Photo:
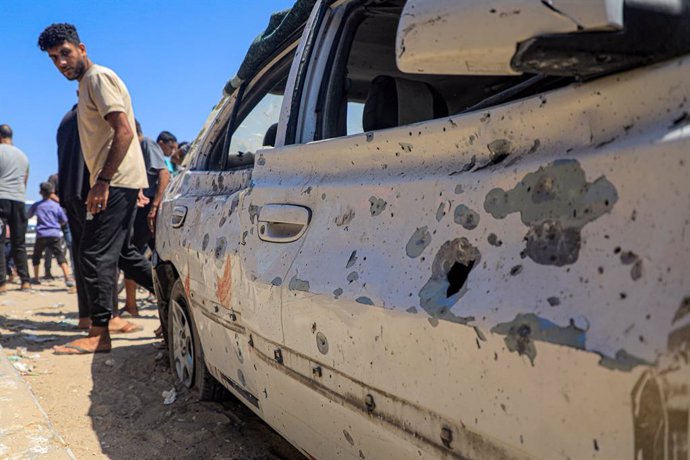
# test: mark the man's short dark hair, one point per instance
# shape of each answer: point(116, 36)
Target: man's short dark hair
point(5, 132)
point(56, 34)
point(166, 136)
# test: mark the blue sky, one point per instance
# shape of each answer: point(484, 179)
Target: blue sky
point(174, 56)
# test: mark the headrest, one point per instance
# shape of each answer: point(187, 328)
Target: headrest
point(395, 102)
point(270, 136)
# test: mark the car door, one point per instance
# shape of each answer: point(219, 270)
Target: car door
point(480, 283)
point(232, 290)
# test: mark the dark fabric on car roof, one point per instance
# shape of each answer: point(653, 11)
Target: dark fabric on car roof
point(281, 26)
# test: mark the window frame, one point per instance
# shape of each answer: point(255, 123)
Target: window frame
point(243, 101)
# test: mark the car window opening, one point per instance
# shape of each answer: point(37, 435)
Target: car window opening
point(367, 91)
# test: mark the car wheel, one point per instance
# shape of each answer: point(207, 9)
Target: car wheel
point(185, 351)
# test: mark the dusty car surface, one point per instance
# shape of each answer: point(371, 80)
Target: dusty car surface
point(444, 229)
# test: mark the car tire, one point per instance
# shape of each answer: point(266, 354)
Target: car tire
point(185, 351)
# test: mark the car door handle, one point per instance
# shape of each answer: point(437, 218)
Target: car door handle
point(282, 223)
point(178, 215)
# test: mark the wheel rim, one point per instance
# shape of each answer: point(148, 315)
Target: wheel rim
point(183, 345)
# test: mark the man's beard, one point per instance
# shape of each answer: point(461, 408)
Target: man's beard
point(78, 71)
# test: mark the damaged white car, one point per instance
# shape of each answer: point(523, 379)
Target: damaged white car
point(445, 229)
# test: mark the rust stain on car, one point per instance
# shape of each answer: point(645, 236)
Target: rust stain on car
point(224, 284)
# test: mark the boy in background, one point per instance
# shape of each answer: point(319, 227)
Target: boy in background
point(49, 220)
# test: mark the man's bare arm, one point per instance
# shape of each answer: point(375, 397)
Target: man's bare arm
point(97, 199)
point(163, 180)
point(121, 140)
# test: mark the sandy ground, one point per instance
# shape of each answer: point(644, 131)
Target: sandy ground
point(111, 405)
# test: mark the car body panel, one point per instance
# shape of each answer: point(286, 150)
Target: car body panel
point(506, 283)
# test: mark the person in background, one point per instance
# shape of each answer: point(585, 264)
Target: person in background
point(14, 174)
point(49, 221)
point(178, 157)
point(9, 263)
point(168, 143)
point(72, 190)
point(142, 237)
point(53, 179)
point(117, 172)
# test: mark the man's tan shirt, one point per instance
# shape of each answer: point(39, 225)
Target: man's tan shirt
point(102, 92)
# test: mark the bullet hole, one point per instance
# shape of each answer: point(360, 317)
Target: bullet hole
point(516, 270)
point(636, 271)
point(600, 270)
point(628, 257)
point(448, 282)
point(494, 241)
point(623, 296)
point(457, 276)
point(322, 343)
point(617, 250)
point(596, 445)
point(554, 301)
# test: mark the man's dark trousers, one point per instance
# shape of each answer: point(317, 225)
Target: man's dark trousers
point(14, 214)
point(105, 245)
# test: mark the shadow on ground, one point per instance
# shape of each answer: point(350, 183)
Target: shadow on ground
point(131, 421)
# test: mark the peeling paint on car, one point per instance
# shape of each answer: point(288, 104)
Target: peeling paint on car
point(623, 361)
point(420, 239)
point(364, 300)
point(555, 202)
point(378, 205)
point(219, 250)
point(297, 284)
point(522, 332)
point(345, 218)
point(466, 217)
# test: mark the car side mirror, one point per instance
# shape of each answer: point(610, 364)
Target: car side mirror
point(480, 37)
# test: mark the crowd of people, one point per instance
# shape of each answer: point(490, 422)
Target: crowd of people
point(103, 201)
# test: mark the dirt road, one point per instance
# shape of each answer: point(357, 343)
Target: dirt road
point(111, 405)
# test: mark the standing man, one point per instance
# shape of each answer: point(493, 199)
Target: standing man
point(168, 143)
point(14, 173)
point(73, 188)
point(112, 154)
point(158, 178)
